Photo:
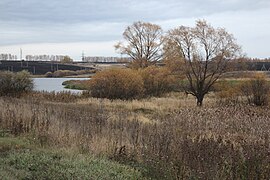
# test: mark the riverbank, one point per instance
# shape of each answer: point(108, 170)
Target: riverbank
point(73, 76)
point(76, 84)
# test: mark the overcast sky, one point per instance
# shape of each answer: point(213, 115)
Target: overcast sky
point(69, 27)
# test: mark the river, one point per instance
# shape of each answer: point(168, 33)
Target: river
point(53, 84)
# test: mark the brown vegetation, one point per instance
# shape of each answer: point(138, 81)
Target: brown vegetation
point(256, 90)
point(117, 84)
point(158, 80)
point(228, 92)
point(168, 135)
point(132, 84)
point(64, 73)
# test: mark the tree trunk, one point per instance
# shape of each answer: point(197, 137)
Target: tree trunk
point(200, 100)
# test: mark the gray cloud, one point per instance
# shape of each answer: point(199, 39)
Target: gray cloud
point(24, 33)
point(64, 21)
point(77, 11)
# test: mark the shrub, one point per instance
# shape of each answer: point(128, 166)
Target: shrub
point(256, 90)
point(131, 84)
point(63, 73)
point(227, 92)
point(14, 84)
point(117, 84)
point(49, 74)
point(157, 80)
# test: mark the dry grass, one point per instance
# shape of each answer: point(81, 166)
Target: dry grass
point(166, 103)
point(169, 135)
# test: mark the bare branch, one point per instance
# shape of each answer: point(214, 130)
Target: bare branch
point(143, 43)
point(206, 51)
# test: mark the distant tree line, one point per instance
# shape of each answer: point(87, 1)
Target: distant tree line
point(45, 57)
point(8, 57)
point(97, 59)
point(34, 57)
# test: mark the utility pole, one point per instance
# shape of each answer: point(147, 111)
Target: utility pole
point(21, 53)
point(10, 68)
point(51, 65)
point(21, 57)
point(82, 56)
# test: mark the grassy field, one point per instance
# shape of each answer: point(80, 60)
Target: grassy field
point(160, 138)
point(21, 158)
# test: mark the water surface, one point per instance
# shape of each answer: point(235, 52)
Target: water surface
point(54, 84)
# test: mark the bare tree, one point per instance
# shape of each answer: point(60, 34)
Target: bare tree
point(143, 44)
point(206, 52)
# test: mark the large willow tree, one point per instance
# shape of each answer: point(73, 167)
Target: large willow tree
point(206, 52)
point(143, 43)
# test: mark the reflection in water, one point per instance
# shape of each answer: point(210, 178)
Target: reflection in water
point(53, 84)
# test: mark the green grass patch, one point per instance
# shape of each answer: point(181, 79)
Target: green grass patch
point(9, 143)
point(76, 84)
point(21, 161)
